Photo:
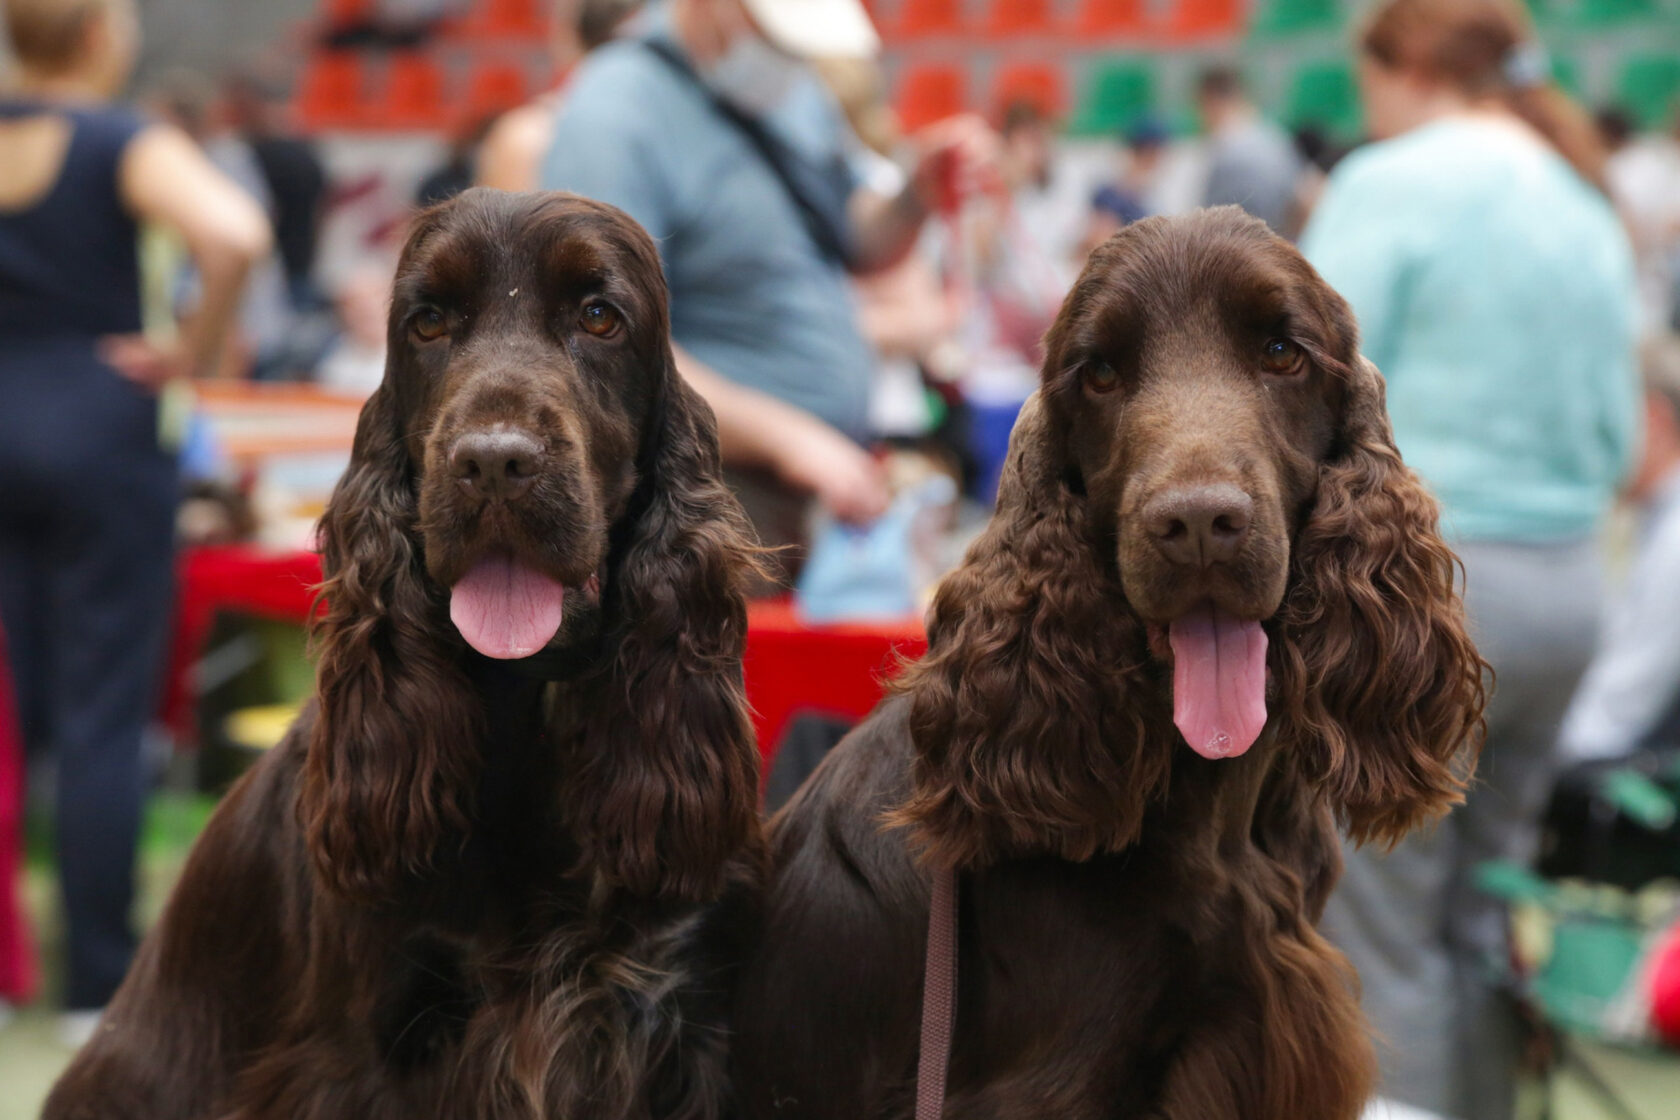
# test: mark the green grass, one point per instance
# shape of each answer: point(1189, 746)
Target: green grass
point(30, 1053)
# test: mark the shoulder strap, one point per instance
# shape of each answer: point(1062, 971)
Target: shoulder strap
point(939, 998)
point(826, 228)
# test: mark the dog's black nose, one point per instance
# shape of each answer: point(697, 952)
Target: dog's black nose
point(1198, 526)
point(496, 465)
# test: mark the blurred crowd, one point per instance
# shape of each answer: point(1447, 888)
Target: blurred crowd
point(863, 309)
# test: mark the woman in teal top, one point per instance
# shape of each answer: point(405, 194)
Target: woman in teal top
point(1495, 289)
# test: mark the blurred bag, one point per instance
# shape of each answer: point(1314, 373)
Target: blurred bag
point(1615, 821)
point(874, 571)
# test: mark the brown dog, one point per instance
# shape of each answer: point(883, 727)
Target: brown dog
point(501, 868)
point(1211, 615)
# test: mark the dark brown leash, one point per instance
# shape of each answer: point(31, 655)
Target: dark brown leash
point(939, 997)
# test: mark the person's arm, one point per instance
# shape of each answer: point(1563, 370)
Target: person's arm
point(959, 155)
point(757, 430)
point(165, 178)
point(1635, 675)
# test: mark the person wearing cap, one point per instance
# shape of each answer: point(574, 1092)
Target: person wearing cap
point(705, 123)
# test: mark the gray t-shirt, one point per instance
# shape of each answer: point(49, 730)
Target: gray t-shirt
point(1253, 164)
point(751, 294)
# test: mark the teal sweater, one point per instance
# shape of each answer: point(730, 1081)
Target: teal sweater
point(1495, 289)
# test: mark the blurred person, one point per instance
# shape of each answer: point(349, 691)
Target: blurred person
point(292, 170)
point(459, 169)
point(263, 344)
point(1130, 196)
point(1629, 699)
point(1495, 290)
point(908, 315)
point(1643, 173)
point(87, 490)
point(1251, 161)
point(355, 364)
point(1047, 203)
point(705, 123)
point(1019, 253)
point(512, 153)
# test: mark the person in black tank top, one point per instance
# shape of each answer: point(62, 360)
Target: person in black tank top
point(87, 486)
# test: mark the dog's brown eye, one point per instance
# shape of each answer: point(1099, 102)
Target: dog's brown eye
point(1282, 356)
point(429, 325)
point(1100, 377)
point(598, 318)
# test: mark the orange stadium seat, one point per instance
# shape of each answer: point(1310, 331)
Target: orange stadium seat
point(344, 13)
point(330, 91)
point(1195, 18)
point(931, 92)
point(413, 93)
point(1039, 83)
point(496, 88)
point(919, 18)
point(1009, 18)
point(1110, 17)
point(505, 19)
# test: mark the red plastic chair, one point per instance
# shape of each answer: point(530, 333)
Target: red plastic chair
point(1039, 83)
point(505, 19)
point(413, 94)
point(345, 13)
point(1111, 17)
point(1009, 19)
point(1195, 19)
point(495, 88)
point(919, 19)
point(330, 91)
point(931, 92)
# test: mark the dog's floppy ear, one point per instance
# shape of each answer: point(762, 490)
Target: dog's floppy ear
point(1028, 738)
point(666, 785)
point(1378, 675)
point(396, 737)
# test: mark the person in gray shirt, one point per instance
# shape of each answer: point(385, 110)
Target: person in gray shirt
point(704, 123)
point(1252, 163)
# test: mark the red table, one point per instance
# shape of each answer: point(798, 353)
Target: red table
point(790, 665)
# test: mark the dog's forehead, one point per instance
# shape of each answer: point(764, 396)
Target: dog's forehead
point(1171, 277)
point(490, 239)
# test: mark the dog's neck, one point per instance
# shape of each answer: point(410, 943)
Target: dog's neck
point(1212, 805)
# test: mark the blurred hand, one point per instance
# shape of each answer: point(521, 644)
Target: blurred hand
point(956, 159)
point(844, 477)
point(145, 362)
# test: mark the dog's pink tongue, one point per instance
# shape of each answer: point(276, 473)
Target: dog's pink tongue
point(1219, 681)
point(504, 609)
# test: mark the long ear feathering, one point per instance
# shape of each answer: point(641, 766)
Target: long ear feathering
point(1030, 735)
point(666, 786)
point(393, 751)
point(1381, 686)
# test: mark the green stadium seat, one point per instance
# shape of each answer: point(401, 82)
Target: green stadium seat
point(1595, 12)
point(1289, 17)
point(1648, 87)
point(1566, 72)
point(1324, 94)
point(1116, 93)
